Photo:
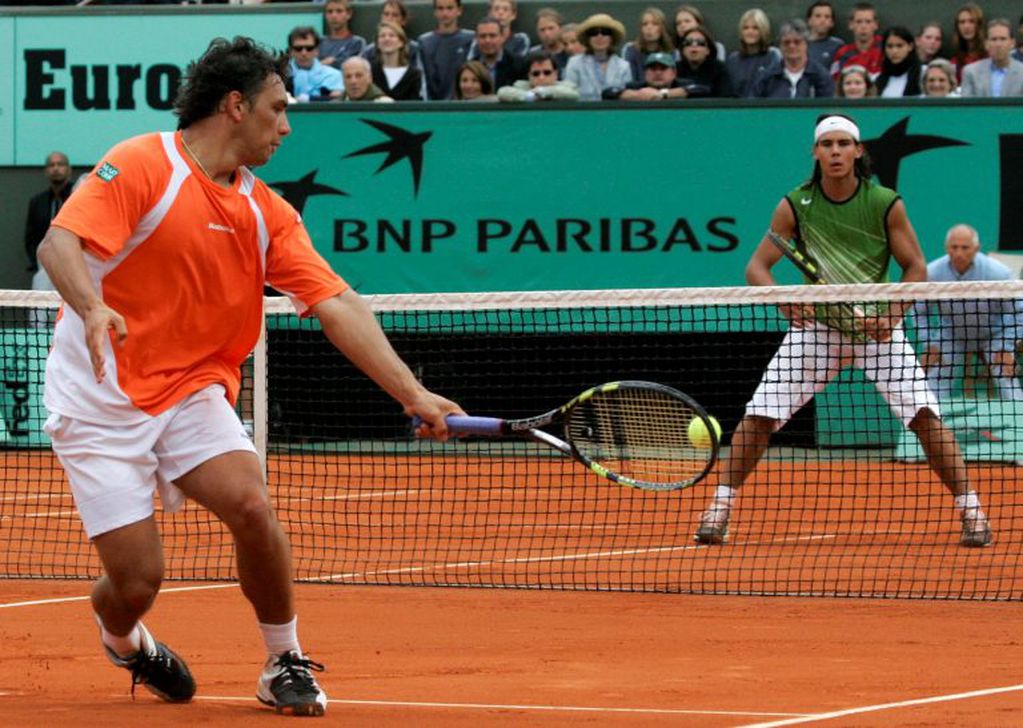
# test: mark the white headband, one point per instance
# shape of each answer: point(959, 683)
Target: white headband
point(836, 123)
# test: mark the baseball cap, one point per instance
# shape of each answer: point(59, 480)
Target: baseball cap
point(660, 59)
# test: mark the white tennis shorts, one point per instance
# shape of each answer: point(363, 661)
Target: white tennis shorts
point(810, 357)
point(114, 470)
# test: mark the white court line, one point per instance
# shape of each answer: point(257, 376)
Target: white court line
point(41, 514)
point(430, 567)
point(886, 706)
point(511, 706)
point(65, 600)
point(379, 494)
point(542, 559)
point(33, 496)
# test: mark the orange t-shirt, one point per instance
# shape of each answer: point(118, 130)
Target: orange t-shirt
point(184, 261)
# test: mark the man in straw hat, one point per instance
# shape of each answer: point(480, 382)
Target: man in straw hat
point(598, 68)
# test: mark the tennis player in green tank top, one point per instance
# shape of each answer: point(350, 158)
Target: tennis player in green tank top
point(853, 227)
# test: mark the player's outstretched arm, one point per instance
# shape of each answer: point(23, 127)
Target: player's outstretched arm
point(351, 327)
point(758, 270)
point(61, 255)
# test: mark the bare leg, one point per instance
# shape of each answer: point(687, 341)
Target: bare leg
point(942, 450)
point(749, 443)
point(133, 569)
point(231, 486)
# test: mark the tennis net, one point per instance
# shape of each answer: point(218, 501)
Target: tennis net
point(843, 503)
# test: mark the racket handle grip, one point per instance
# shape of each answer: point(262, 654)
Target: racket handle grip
point(466, 425)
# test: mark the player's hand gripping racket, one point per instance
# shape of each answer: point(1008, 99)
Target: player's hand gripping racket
point(634, 433)
point(808, 266)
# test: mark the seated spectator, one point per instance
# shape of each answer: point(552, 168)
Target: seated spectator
point(311, 79)
point(444, 50)
point(570, 39)
point(391, 70)
point(700, 73)
point(820, 19)
point(855, 83)
point(338, 43)
point(359, 84)
point(688, 17)
point(988, 328)
point(660, 82)
point(999, 75)
point(795, 76)
point(507, 11)
point(598, 68)
point(394, 11)
point(929, 42)
point(968, 39)
point(474, 83)
point(548, 32)
point(653, 37)
point(516, 44)
point(542, 85)
point(504, 67)
point(865, 50)
point(755, 51)
point(900, 69)
point(940, 79)
point(1017, 53)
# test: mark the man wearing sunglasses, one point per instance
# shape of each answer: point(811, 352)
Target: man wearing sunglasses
point(311, 80)
point(542, 84)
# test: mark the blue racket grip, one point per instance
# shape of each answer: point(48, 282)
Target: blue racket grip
point(466, 425)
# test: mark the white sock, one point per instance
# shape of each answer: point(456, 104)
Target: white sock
point(281, 638)
point(125, 646)
point(724, 495)
point(968, 501)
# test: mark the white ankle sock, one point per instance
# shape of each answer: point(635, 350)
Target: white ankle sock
point(125, 646)
point(724, 495)
point(968, 501)
point(281, 637)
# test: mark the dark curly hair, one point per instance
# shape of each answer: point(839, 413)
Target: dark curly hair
point(239, 65)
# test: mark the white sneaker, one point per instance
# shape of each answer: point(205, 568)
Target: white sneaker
point(976, 529)
point(287, 685)
point(713, 528)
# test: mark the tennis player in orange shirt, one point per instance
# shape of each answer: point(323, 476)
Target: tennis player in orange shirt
point(161, 257)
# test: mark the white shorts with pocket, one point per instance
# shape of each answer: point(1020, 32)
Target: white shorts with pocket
point(810, 357)
point(114, 470)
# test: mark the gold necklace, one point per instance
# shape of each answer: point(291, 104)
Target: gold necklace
point(194, 157)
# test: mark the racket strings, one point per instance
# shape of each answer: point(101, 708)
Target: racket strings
point(642, 434)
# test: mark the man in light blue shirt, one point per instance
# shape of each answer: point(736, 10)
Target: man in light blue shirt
point(311, 79)
point(950, 330)
point(999, 75)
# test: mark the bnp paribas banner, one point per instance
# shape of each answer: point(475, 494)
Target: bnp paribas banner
point(485, 198)
point(82, 80)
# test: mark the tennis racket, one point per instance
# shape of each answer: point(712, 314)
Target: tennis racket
point(808, 266)
point(633, 433)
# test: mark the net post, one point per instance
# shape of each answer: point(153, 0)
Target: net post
point(260, 409)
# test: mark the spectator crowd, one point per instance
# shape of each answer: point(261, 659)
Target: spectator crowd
point(677, 57)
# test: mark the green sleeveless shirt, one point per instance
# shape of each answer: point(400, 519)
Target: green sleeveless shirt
point(848, 239)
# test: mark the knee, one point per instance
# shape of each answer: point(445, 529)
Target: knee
point(139, 592)
point(252, 518)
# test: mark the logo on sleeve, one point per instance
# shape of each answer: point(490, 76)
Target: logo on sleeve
point(107, 172)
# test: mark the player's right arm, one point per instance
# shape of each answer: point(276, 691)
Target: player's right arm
point(758, 270)
point(62, 256)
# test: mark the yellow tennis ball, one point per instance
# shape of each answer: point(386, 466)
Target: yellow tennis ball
point(699, 436)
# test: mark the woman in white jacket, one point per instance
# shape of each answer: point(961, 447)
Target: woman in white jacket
point(598, 68)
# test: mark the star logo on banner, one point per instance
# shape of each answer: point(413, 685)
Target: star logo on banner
point(401, 145)
point(888, 150)
point(298, 191)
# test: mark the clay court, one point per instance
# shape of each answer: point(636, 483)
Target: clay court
point(552, 654)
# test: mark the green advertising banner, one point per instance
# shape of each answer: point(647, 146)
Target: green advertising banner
point(82, 83)
point(469, 199)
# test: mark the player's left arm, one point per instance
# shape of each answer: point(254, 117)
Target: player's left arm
point(905, 248)
point(351, 327)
